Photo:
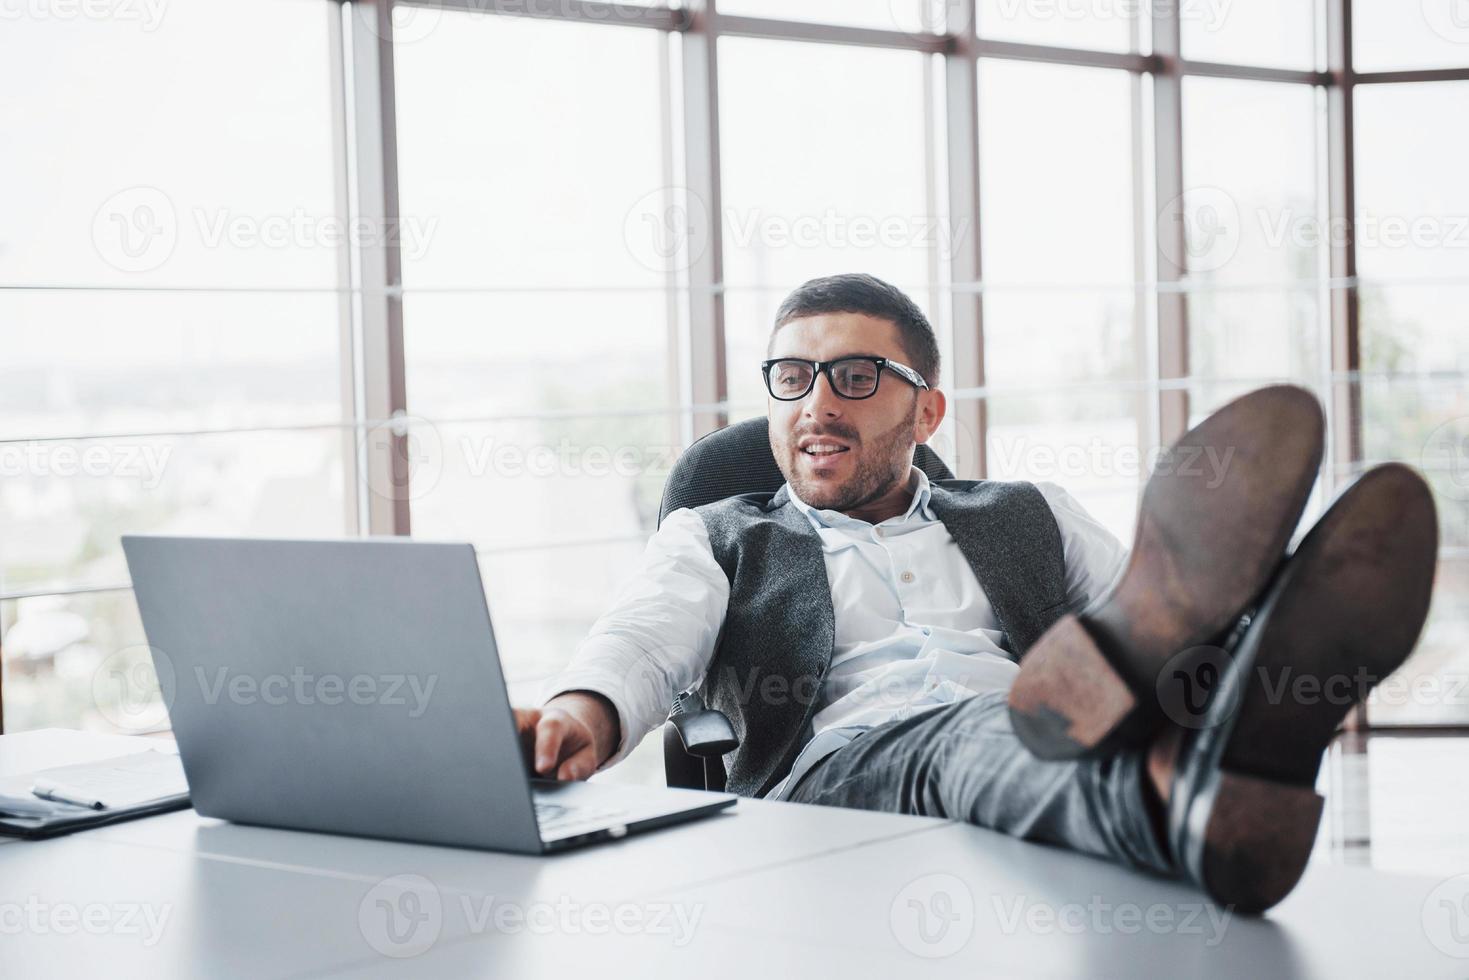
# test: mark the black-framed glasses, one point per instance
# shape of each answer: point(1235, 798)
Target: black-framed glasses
point(789, 379)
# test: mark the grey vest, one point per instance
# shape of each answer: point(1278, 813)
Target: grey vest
point(775, 647)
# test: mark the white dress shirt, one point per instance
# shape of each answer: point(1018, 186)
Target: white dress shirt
point(913, 629)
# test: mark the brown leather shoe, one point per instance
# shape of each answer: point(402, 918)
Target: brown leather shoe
point(1344, 613)
point(1217, 515)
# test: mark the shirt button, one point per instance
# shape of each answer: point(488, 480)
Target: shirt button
point(906, 576)
point(878, 531)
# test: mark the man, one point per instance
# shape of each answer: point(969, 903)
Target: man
point(861, 626)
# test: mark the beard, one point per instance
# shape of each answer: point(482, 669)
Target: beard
point(884, 462)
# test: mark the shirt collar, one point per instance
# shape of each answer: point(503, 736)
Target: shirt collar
point(917, 482)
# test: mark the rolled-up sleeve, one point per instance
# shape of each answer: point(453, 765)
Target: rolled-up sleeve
point(658, 637)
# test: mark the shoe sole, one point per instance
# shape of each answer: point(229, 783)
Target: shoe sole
point(1347, 611)
point(1203, 551)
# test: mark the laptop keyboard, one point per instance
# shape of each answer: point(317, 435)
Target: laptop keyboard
point(553, 816)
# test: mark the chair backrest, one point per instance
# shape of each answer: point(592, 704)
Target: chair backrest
point(736, 460)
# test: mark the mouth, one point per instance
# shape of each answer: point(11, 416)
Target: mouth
point(822, 447)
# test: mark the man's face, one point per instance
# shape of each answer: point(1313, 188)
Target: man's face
point(838, 453)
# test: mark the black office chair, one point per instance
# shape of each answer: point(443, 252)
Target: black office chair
point(725, 463)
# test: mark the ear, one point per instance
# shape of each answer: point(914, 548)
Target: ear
point(931, 408)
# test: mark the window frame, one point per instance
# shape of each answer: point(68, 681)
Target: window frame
point(371, 289)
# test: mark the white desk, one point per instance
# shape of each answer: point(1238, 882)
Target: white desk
point(768, 890)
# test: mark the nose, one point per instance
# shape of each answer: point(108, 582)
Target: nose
point(821, 401)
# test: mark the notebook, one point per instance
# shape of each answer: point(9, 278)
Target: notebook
point(91, 794)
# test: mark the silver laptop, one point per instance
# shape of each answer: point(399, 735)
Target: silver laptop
point(354, 687)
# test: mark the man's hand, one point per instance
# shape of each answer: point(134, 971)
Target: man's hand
point(570, 736)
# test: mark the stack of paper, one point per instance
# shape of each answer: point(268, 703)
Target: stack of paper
point(72, 797)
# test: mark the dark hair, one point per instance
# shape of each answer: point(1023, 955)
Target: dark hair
point(857, 292)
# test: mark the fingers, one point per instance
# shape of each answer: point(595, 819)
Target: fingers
point(581, 765)
point(563, 747)
point(526, 720)
point(550, 733)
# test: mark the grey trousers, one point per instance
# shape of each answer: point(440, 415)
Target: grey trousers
point(963, 761)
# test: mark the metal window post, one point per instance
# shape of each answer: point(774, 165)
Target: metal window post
point(706, 351)
point(382, 450)
point(1172, 244)
point(961, 72)
point(1346, 348)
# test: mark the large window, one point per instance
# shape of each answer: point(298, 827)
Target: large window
point(540, 339)
point(441, 269)
point(1093, 26)
point(1268, 33)
point(1063, 328)
point(1413, 257)
point(1391, 35)
point(1254, 245)
point(170, 347)
point(826, 168)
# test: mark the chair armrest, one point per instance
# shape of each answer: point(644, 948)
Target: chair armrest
point(694, 744)
point(695, 739)
point(705, 733)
